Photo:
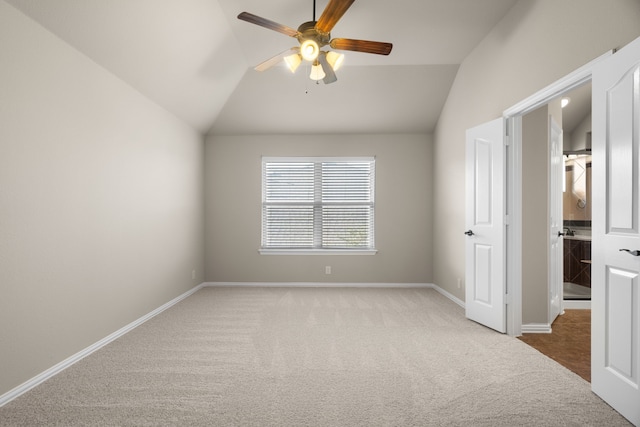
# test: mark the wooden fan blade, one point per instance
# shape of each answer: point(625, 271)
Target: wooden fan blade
point(274, 60)
point(263, 22)
point(379, 48)
point(330, 75)
point(332, 14)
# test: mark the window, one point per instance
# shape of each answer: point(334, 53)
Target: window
point(318, 205)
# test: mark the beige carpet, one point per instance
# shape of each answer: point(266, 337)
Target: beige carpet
point(313, 357)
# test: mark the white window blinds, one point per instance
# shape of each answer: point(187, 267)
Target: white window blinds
point(318, 203)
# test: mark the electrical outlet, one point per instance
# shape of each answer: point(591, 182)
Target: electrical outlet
point(327, 269)
point(193, 274)
point(459, 283)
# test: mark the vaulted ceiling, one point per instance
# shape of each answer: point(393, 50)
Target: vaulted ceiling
point(195, 59)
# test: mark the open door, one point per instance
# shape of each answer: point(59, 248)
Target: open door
point(615, 327)
point(556, 242)
point(485, 225)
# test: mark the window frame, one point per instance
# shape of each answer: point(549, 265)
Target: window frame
point(315, 251)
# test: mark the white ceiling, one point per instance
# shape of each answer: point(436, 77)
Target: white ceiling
point(195, 59)
point(578, 109)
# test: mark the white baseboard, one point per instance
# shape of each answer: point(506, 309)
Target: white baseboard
point(317, 285)
point(448, 295)
point(56, 369)
point(536, 328)
point(338, 285)
point(577, 304)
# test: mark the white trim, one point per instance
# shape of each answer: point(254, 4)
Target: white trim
point(513, 116)
point(448, 295)
point(267, 159)
point(536, 328)
point(318, 251)
point(569, 82)
point(337, 285)
point(56, 369)
point(514, 228)
point(577, 304)
point(316, 285)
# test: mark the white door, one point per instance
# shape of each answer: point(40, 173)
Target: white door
point(615, 328)
point(485, 225)
point(556, 242)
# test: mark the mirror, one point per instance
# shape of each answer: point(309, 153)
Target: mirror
point(576, 124)
point(576, 198)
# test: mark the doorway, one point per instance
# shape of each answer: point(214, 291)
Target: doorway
point(514, 241)
point(615, 271)
point(556, 232)
point(556, 208)
point(576, 197)
point(574, 227)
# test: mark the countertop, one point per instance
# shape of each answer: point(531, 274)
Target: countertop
point(578, 237)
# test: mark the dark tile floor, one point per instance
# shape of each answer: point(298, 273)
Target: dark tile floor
point(569, 343)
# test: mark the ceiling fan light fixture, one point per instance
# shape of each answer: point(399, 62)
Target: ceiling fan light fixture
point(317, 73)
point(293, 62)
point(335, 59)
point(309, 50)
point(314, 35)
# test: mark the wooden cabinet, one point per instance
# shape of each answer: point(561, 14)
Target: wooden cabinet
point(577, 262)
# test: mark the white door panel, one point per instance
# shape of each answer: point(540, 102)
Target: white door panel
point(615, 345)
point(484, 218)
point(556, 242)
point(620, 287)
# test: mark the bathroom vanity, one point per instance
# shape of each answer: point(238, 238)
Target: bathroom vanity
point(577, 267)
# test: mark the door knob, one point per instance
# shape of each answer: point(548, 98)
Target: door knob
point(634, 253)
point(469, 232)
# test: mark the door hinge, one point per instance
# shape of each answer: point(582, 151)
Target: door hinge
point(507, 299)
point(507, 220)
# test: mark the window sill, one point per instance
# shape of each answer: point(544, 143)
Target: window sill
point(318, 251)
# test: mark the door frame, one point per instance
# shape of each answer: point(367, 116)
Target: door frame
point(513, 119)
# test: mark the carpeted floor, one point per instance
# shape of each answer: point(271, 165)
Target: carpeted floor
point(313, 357)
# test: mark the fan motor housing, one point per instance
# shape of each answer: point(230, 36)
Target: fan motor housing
point(308, 31)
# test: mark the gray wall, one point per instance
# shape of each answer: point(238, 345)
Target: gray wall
point(537, 43)
point(101, 202)
point(403, 210)
point(578, 138)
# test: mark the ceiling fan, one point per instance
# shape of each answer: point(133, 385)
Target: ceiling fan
point(313, 35)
